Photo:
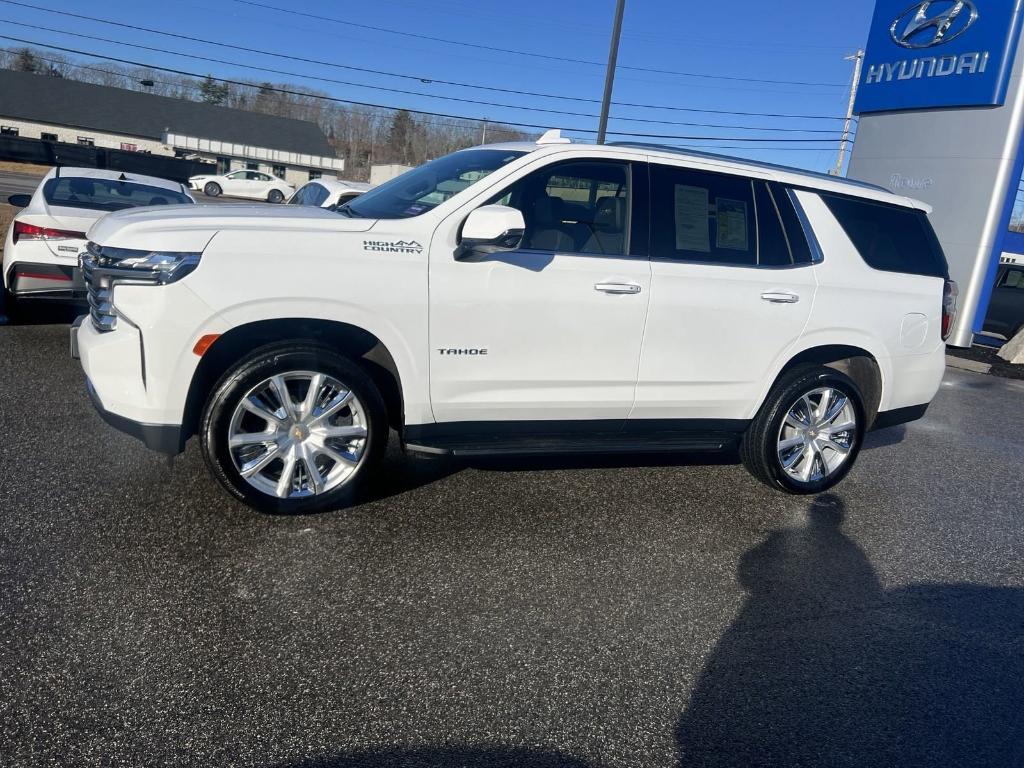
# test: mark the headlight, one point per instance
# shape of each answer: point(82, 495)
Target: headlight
point(157, 266)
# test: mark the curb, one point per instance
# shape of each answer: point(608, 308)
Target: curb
point(967, 365)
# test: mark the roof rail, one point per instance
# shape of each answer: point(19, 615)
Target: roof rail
point(755, 163)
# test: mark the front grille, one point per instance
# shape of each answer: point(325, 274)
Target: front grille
point(98, 288)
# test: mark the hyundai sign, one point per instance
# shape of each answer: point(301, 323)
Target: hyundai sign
point(939, 54)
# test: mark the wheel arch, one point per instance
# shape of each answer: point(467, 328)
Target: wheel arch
point(856, 362)
point(362, 346)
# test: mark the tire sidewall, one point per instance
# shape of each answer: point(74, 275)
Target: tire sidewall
point(781, 401)
point(262, 364)
point(212, 189)
point(275, 196)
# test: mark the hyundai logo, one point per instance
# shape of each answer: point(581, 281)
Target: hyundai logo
point(933, 22)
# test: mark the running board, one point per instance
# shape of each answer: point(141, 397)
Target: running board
point(592, 444)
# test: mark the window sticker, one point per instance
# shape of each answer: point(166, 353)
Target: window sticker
point(732, 224)
point(691, 210)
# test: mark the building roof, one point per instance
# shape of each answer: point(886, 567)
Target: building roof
point(59, 101)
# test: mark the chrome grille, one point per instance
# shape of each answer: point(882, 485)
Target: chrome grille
point(98, 287)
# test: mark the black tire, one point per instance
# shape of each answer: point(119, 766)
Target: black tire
point(212, 189)
point(759, 449)
point(275, 196)
point(8, 307)
point(295, 355)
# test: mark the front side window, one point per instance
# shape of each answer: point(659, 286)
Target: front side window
point(576, 207)
point(237, 175)
point(107, 194)
point(421, 189)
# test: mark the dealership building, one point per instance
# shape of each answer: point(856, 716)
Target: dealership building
point(941, 105)
point(57, 109)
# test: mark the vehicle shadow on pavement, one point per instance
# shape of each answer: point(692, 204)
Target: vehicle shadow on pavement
point(454, 757)
point(825, 667)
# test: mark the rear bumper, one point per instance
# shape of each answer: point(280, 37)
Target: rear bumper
point(26, 278)
point(886, 419)
point(162, 438)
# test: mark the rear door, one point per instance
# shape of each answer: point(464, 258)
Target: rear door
point(732, 290)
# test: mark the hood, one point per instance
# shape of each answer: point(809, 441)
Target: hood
point(190, 228)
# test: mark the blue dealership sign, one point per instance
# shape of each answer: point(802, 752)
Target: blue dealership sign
point(938, 54)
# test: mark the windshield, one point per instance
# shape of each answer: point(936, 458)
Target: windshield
point(426, 187)
point(107, 194)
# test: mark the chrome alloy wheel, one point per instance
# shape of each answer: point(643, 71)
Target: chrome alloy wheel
point(817, 435)
point(297, 434)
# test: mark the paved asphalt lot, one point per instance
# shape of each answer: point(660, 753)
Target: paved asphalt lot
point(535, 614)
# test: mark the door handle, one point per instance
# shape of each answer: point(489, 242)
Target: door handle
point(780, 298)
point(623, 288)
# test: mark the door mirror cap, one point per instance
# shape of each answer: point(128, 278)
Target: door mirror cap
point(19, 201)
point(491, 229)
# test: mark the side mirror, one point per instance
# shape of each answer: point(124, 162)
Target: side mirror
point(491, 229)
point(20, 201)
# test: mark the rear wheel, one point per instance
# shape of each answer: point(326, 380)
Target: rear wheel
point(808, 434)
point(212, 189)
point(275, 196)
point(294, 428)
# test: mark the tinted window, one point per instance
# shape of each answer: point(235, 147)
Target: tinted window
point(1014, 278)
point(107, 194)
point(314, 194)
point(699, 216)
point(773, 247)
point(889, 237)
point(426, 187)
point(796, 238)
point(574, 207)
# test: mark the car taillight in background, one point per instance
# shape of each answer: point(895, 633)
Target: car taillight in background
point(949, 296)
point(23, 231)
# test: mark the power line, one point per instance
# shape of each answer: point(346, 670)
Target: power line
point(386, 106)
point(418, 78)
point(832, 133)
point(549, 57)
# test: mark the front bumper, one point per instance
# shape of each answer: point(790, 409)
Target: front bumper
point(162, 438)
point(113, 369)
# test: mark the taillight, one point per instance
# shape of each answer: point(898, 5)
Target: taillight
point(23, 231)
point(949, 296)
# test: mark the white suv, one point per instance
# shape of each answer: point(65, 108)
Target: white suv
point(521, 298)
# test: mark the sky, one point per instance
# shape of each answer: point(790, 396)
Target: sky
point(710, 56)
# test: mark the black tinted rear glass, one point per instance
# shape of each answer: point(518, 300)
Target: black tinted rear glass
point(107, 194)
point(889, 237)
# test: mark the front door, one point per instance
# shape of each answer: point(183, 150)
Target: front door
point(550, 331)
point(733, 286)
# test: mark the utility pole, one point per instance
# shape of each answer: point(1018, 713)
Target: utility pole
point(609, 78)
point(483, 138)
point(858, 59)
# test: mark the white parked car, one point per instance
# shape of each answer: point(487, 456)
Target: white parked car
point(254, 185)
point(522, 298)
point(328, 193)
point(43, 242)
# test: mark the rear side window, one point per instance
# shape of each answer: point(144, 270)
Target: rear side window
point(889, 237)
point(716, 218)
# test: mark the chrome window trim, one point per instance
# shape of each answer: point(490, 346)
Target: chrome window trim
point(817, 254)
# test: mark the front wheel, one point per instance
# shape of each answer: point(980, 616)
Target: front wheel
point(275, 196)
point(294, 428)
point(808, 434)
point(212, 189)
